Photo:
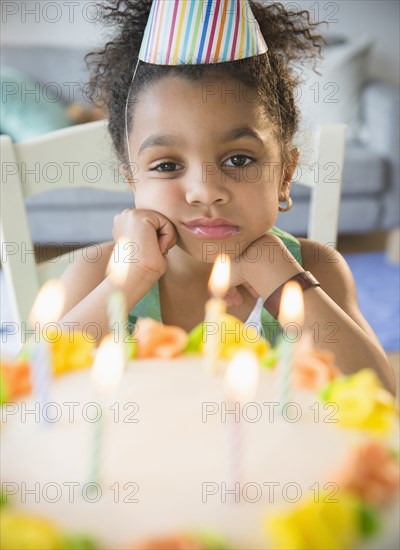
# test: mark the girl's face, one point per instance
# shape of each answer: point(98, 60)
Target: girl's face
point(204, 150)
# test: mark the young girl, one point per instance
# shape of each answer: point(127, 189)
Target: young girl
point(212, 148)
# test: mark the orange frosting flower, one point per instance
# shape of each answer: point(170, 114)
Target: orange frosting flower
point(372, 472)
point(172, 542)
point(17, 378)
point(158, 340)
point(313, 369)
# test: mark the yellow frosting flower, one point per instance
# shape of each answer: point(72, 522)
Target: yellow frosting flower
point(315, 525)
point(70, 353)
point(19, 531)
point(236, 335)
point(362, 402)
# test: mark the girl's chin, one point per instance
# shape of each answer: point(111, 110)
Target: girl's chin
point(208, 252)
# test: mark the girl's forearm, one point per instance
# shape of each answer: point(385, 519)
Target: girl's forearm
point(90, 314)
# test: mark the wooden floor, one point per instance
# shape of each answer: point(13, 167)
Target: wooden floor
point(362, 243)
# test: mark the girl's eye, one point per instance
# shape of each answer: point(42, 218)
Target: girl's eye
point(240, 161)
point(165, 167)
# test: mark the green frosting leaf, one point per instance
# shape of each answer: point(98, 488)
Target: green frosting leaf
point(212, 541)
point(132, 346)
point(369, 520)
point(3, 391)
point(325, 392)
point(3, 499)
point(270, 359)
point(195, 340)
point(78, 542)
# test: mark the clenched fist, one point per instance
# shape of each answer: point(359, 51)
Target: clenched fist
point(152, 233)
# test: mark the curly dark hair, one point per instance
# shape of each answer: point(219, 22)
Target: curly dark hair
point(289, 36)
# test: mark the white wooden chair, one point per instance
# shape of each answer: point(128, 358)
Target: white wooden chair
point(323, 173)
point(91, 143)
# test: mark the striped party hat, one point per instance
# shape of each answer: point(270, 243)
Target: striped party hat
point(187, 32)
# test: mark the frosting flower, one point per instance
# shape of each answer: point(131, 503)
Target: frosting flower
point(31, 533)
point(236, 335)
point(157, 340)
point(314, 525)
point(28, 532)
point(15, 380)
point(313, 369)
point(372, 472)
point(362, 402)
point(172, 542)
point(184, 541)
point(70, 354)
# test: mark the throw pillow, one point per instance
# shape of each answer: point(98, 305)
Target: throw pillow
point(28, 108)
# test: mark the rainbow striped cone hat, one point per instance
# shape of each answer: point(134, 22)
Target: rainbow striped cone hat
point(188, 32)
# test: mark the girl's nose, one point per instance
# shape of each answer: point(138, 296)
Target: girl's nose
point(207, 187)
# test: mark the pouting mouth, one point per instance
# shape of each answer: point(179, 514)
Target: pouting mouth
point(210, 222)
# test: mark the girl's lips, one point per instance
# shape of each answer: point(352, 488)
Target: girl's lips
point(213, 231)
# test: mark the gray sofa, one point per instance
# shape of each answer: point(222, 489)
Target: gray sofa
point(371, 187)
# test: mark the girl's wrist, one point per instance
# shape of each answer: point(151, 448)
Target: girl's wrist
point(265, 279)
point(268, 265)
point(138, 283)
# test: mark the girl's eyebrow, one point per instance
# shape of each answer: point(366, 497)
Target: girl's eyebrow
point(170, 140)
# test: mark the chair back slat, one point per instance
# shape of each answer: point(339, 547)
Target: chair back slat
point(79, 156)
point(17, 251)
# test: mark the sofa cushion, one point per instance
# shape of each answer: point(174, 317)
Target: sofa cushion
point(364, 172)
point(63, 69)
point(357, 215)
point(78, 226)
point(80, 199)
point(27, 108)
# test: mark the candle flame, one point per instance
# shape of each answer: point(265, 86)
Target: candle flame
point(49, 303)
point(118, 264)
point(242, 376)
point(291, 308)
point(220, 276)
point(108, 366)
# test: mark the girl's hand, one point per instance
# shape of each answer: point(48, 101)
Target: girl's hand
point(234, 296)
point(268, 260)
point(151, 233)
point(238, 281)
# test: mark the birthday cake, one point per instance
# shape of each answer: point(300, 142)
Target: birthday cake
point(176, 462)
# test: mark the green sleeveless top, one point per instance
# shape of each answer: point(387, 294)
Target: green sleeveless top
point(149, 305)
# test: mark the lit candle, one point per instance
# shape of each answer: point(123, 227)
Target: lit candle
point(46, 309)
point(117, 270)
point(106, 375)
point(291, 311)
point(214, 310)
point(240, 386)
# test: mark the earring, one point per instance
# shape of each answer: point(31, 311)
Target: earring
point(289, 204)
